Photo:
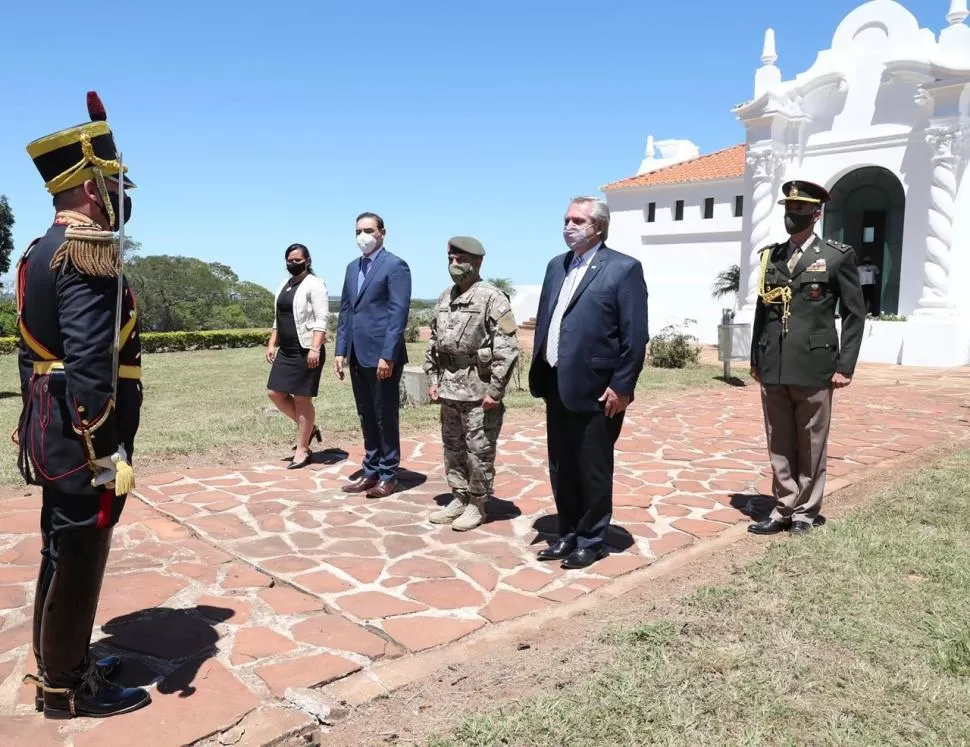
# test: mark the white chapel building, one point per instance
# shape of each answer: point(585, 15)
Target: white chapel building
point(881, 120)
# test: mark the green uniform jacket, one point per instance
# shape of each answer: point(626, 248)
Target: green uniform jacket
point(808, 356)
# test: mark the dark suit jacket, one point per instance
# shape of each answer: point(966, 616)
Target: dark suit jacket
point(603, 337)
point(371, 323)
point(826, 275)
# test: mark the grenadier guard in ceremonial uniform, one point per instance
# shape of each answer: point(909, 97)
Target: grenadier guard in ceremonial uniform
point(82, 397)
point(797, 355)
point(469, 361)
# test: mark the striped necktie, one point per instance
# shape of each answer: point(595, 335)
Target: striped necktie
point(565, 294)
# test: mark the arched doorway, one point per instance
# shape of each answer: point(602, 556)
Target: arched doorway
point(866, 211)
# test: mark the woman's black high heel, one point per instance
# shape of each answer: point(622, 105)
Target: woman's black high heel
point(306, 460)
point(315, 435)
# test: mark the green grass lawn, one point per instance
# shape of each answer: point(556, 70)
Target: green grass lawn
point(211, 399)
point(858, 634)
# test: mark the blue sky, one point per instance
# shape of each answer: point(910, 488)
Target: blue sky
point(249, 127)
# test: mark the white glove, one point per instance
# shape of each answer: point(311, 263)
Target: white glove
point(109, 471)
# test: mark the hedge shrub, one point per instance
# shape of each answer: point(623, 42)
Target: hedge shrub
point(168, 342)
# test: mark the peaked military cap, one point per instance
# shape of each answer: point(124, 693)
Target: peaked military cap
point(803, 192)
point(68, 158)
point(467, 245)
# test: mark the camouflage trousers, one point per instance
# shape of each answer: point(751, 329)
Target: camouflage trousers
point(469, 435)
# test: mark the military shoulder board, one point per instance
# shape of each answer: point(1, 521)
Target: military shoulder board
point(836, 245)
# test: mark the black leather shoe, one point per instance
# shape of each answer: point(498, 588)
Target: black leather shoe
point(801, 527)
point(108, 666)
point(769, 526)
point(557, 550)
point(94, 697)
point(585, 557)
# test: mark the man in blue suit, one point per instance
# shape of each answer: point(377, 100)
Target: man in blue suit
point(590, 345)
point(374, 307)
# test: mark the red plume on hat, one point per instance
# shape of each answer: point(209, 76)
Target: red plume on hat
point(96, 108)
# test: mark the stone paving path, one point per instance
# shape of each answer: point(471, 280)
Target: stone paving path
point(231, 591)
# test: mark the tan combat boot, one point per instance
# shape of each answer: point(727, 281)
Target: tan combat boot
point(473, 515)
point(450, 512)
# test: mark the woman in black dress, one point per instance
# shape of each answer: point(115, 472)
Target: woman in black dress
point(296, 348)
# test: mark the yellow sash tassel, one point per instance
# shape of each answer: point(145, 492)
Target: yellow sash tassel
point(124, 476)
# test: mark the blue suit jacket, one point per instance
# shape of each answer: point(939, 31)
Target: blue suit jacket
point(603, 338)
point(371, 323)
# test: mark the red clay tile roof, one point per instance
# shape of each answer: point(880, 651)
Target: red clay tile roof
point(722, 164)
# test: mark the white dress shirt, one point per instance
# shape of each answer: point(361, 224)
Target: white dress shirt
point(577, 270)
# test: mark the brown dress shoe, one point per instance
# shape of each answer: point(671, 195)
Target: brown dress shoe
point(360, 485)
point(383, 489)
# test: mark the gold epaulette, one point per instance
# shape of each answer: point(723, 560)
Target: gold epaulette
point(90, 250)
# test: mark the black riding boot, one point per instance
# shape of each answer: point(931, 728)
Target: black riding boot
point(45, 575)
point(73, 685)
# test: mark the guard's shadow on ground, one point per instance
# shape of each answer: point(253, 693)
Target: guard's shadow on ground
point(618, 539)
point(496, 509)
point(163, 645)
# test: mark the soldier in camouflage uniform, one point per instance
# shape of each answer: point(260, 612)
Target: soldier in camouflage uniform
point(470, 358)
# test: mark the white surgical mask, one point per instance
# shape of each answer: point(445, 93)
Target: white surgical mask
point(366, 242)
point(576, 238)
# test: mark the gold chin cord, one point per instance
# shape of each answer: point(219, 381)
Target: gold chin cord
point(780, 295)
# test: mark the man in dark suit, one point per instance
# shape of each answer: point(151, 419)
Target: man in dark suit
point(374, 307)
point(590, 344)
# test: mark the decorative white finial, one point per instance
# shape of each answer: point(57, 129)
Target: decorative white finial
point(651, 151)
point(958, 12)
point(768, 54)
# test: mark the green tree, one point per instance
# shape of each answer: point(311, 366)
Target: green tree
point(255, 302)
point(130, 249)
point(6, 234)
point(8, 319)
point(505, 285)
point(727, 281)
point(186, 294)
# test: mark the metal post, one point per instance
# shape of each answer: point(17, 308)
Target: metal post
point(727, 316)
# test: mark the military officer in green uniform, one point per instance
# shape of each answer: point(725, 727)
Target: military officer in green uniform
point(81, 408)
point(797, 354)
point(469, 361)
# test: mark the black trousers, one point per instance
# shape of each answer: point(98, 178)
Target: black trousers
point(76, 534)
point(378, 407)
point(869, 296)
point(580, 467)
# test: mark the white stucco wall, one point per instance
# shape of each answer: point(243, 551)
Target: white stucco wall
point(867, 101)
point(681, 259)
point(525, 302)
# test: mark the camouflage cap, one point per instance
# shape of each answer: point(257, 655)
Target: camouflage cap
point(466, 245)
